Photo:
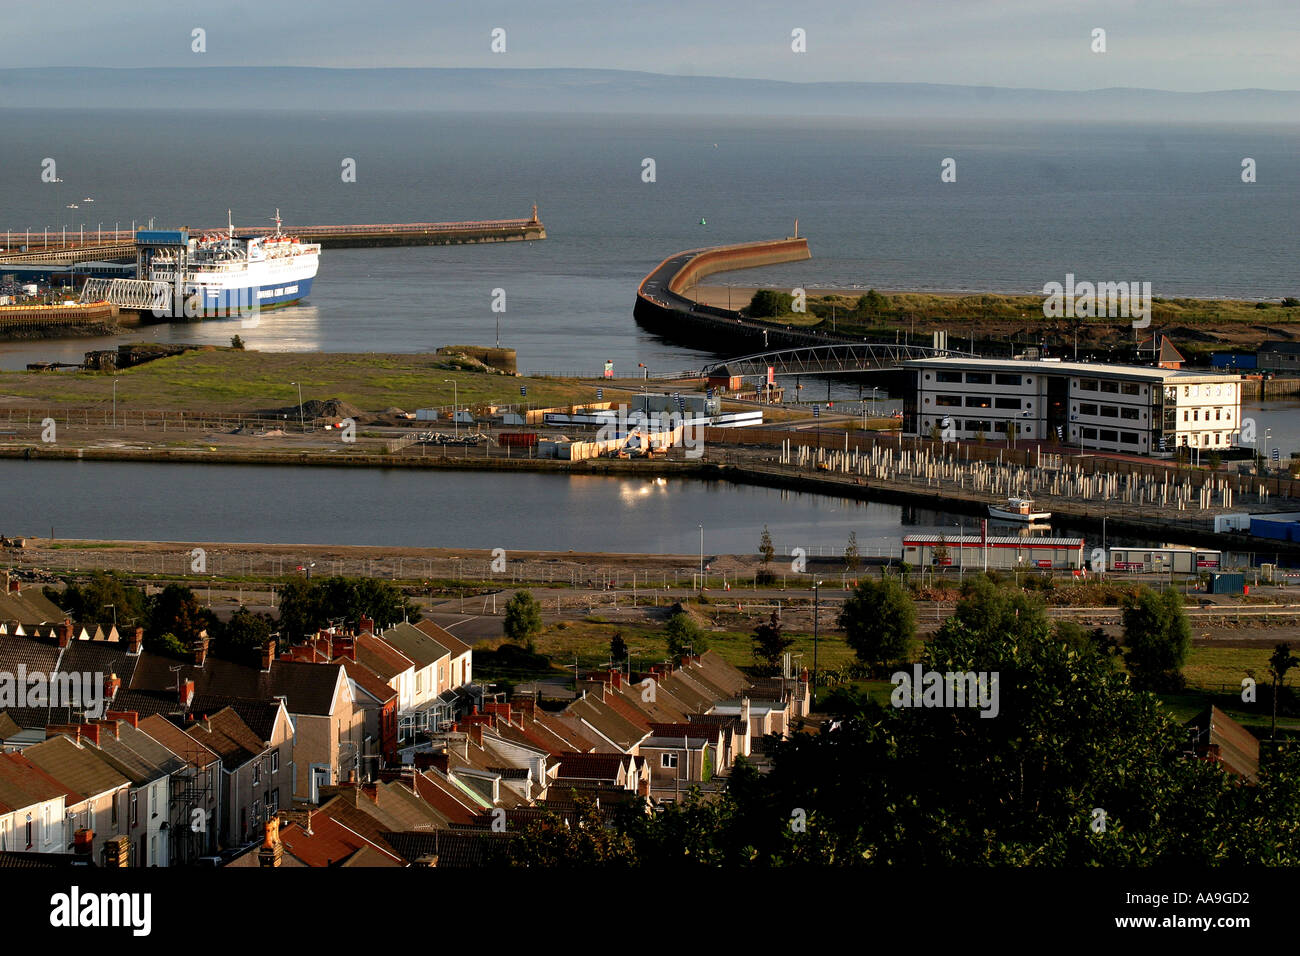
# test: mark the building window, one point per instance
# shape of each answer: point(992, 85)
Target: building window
point(667, 761)
point(1128, 438)
point(1109, 411)
point(979, 378)
point(1185, 415)
point(1130, 413)
point(1008, 379)
point(257, 772)
point(153, 851)
point(977, 401)
point(135, 809)
point(112, 803)
point(1128, 388)
point(1088, 384)
point(418, 680)
point(1090, 433)
point(948, 401)
point(947, 377)
point(1109, 434)
point(1109, 386)
point(275, 761)
point(1006, 403)
point(1087, 409)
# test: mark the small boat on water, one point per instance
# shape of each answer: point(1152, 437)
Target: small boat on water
point(1019, 509)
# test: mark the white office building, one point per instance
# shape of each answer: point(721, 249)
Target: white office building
point(1124, 408)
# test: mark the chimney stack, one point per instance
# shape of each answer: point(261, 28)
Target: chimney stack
point(68, 730)
point(272, 851)
point(200, 651)
point(130, 716)
point(91, 732)
point(112, 684)
point(65, 633)
point(268, 655)
point(137, 640)
point(365, 625)
point(187, 693)
point(83, 842)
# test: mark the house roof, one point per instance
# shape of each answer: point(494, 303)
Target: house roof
point(722, 674)
point(78, 768)
point(454, 645)
point(582, 766)
point(616, 728)
point(309, 689)
point(29, 607)
point(1237, 748)
point(381, 657)
point(8, 727)
point(259, 715)
point(329, 843)
point(184, 745)
point(23, 784)
point(415, 644)
point(369, 681)
point(1285, 348)
point(454, 848)
point(226, 734)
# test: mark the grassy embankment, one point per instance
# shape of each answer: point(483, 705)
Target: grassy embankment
point(223, 381)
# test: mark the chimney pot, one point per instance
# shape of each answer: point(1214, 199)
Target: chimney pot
point(65, 633)
point(137, 640)
point(187, 693)
point(200, 651)
point(268, 655)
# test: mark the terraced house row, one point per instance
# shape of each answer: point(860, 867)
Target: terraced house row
point(356, 746)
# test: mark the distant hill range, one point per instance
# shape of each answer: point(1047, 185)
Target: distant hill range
point(572, 90)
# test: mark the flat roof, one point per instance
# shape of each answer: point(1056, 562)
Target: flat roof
point(974, 540)
point(1097, 369)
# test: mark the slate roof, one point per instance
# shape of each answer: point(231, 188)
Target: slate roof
point(369, 681)
point(29, 607)
point(226, 734)
point(453, 848)
point(78, 768)
point(415, 644)
point(454, 645)
point(614, 726)
point(185, 746)
point(308, 688)
point(258, 715)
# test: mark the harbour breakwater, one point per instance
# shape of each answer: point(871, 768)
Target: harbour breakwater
point(663, 304)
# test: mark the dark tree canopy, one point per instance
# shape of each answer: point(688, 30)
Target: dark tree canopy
point(1158, 638)
point(879, 621)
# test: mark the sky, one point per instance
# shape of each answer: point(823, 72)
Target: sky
point(1184, 45)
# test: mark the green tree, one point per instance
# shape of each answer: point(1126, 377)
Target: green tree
point(770, 644)
point(175, 611)
point(1158, 638)
point(243, 637)
point(769, 303)
point(584, 841)
point(879, 621)
point(88, 603)
point(302, 610)
point(618, 650)
point(765, 547)
point(684, 635)
point(236, 343)
point(523, 619)
point(1281, 661)
point(852, 556)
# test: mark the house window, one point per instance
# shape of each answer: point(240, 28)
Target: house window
point(668, 761)
point(257, 772)
point(275, 761)
point(153, 851)
point(112, 803)
point(273, 801)
point(135, 809)
point(418, 681)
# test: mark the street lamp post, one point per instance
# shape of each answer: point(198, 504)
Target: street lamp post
point(114, 403)
point(647, 370)
point(302, 422)
point(455, 402)
point(816, 616)
point(701, 557)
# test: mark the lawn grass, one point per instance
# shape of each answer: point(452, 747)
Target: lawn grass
point(233, 380)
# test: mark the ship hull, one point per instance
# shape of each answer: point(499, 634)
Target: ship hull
point(233, 299)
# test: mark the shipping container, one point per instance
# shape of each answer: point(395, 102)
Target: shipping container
point(1159, 560)
point(518, 439)
point(1227, 583)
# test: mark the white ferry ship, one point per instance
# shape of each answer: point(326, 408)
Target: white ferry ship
point(227, 273)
